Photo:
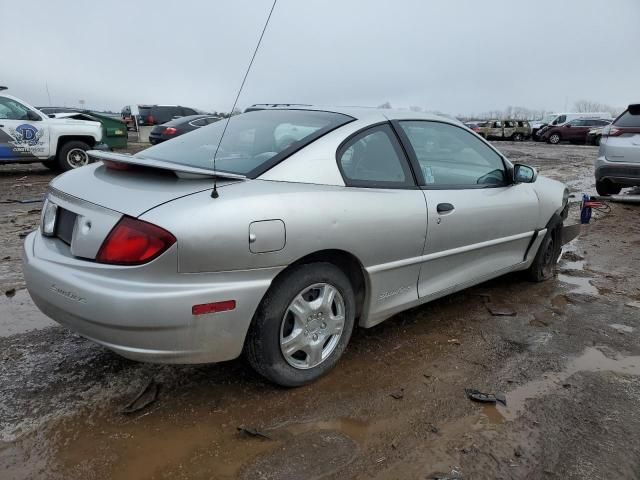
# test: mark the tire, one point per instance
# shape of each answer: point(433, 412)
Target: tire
point(607, 187)
point(70, 155)
point(275, 325)
point(596, 140)
point(554, 139)
point(544, 264)
point(517, 137)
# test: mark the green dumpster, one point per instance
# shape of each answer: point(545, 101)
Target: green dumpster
point(114, 131)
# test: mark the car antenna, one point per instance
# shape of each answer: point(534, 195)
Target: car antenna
point(214, 193)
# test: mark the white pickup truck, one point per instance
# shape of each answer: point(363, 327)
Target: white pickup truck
point(28, 135)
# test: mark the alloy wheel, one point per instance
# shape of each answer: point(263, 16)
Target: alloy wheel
point(312, 326)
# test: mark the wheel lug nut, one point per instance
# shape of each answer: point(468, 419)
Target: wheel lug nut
point(324, 324)
point(315, 336)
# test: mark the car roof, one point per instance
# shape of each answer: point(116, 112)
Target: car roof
point(365, 113)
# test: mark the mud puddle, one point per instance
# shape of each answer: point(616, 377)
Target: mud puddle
point(18, 314)
point(592, 360)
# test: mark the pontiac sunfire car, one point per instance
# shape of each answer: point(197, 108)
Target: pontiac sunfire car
point(322, 219)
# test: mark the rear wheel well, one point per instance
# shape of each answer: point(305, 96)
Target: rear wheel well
point(346, 262)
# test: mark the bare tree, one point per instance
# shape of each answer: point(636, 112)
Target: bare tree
point(583, 106)
point(385, 105)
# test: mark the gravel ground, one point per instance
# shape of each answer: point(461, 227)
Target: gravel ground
point(568, 363)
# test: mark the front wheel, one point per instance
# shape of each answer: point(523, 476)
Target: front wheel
point(517, 137)
point(544, 264)
point(303, 325)
point(72, 155)
point(554, 138)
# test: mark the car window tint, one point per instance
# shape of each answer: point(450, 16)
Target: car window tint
point(12, 110)
point(374, 158)
point(627, 120)
point(451, 156)
point(249, 144)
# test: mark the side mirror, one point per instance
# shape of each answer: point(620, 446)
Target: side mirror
point(524, 173)
point(33, 116)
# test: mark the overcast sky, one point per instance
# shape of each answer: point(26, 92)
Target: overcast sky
point(457, 57)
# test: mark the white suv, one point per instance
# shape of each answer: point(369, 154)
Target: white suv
point(618, 163)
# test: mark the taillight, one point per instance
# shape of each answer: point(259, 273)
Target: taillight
point(134, 242)
point(612, 132)
point(151, 120)
point(170, 131)
point(118, 165)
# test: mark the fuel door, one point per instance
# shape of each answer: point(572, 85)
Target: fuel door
point(266, 236)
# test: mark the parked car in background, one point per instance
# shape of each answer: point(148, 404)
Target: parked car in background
point(505, 129)
point(618, 163)
point(574, 131)
point(179, 126)
point(172, 273)
point(28, 135)
point(552, 119)
point(159, 114)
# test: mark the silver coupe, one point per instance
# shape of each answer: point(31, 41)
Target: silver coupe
point(321, 219)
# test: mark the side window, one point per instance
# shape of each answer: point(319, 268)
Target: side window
point(450, 156)
point(211, 120)
point(559, 120)
point(375, 159)
point(12, 110)
point(497, 124)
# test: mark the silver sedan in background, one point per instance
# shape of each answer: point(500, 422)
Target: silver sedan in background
point(321, 219)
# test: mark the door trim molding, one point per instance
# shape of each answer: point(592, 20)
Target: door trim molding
point(444, 253)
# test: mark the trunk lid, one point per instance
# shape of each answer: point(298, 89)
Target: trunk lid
point(91, 200)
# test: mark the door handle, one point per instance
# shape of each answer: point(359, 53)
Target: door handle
point(444, 208)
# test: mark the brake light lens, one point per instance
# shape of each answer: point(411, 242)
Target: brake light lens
point(170, 131)
point(117, 165)
point(134, 242)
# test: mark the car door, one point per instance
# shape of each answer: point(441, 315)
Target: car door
point(479, 222)
point(379, 181)
point(24, 133)
point(509, 129)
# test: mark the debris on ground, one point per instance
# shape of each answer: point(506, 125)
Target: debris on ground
point(397, 394)
point(500, 311)
point(454, 341)
point(143, 399)
point(496, 310)
point(252, 432)
point(10, 293)
point(478, 396)
point(633, 304)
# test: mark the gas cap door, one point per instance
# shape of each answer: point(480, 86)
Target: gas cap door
point(266, 236)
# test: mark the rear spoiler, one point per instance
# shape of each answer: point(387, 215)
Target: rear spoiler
point(153, 163)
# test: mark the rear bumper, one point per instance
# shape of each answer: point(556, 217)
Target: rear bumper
point(146, 317)
point(626, 174)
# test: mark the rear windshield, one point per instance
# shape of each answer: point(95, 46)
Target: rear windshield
point(627, 120)
point(252, 143)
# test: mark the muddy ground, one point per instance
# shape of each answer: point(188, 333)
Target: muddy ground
point(568, 363)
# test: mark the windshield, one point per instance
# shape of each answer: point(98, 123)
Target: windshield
point(252, 143)
point(549, 118)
